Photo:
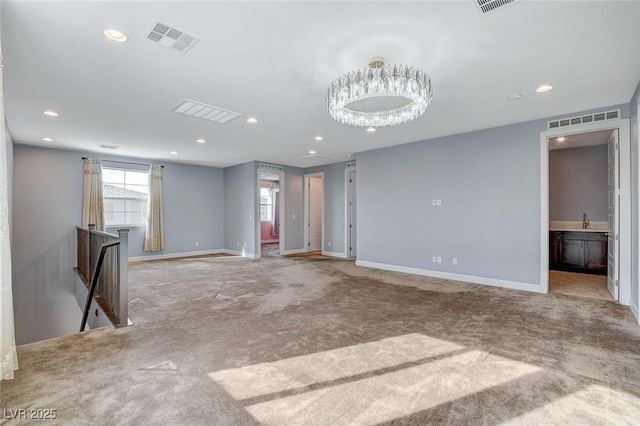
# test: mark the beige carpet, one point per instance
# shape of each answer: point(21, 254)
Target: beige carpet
point(315, 341)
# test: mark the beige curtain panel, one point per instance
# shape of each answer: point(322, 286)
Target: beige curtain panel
point(154, 237)
point(8, 354)
point(92, 202)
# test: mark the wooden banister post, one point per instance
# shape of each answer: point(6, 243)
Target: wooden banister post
point(123, 289)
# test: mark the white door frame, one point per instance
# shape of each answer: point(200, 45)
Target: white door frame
point(305, 183)
point(613, 244)
point(635, 304)
point(625, 199)
point(281, 216)
point(346, 210)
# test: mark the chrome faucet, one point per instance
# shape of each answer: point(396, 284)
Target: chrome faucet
point(585, 221)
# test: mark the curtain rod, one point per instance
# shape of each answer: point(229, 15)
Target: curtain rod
point(124, 162)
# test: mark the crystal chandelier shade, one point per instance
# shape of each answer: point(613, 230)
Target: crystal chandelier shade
point(379, 80)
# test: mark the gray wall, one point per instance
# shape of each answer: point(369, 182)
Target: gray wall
point(635, 203)
point(193, 210)
point(334, 206)
point(47, 208)
point(489, 184)
point(240, 207)
point(293, 183)
point(578, 183)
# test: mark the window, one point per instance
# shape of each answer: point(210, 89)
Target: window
point(266, 205)
point(125, 195)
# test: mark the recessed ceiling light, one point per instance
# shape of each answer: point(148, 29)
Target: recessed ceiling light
point(312, 152)
point(51, 113)
point(174, 153)
point(318, 138)
point(544, 88)
point(371, 129)
point(252, 120)
point(561, 139)
point(115, 35)
point(201, 141)
point(47, 139)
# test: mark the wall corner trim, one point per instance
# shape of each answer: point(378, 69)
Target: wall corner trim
point(512, 285)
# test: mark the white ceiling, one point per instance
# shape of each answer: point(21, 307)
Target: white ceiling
point(274, 61)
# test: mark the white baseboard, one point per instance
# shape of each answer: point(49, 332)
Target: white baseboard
point(294, 251)
point(269, 241)
point(634, 310)
point(334, 254)
point(175, 255)
point(241, 254)
point(514, 285)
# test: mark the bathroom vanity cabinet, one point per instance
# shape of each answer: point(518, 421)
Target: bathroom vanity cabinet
point(578, 251)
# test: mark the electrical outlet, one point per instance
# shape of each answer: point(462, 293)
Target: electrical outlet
point(250, 216)
point(434, 259)
point(439, 259)
point(454, 261)
point(197, 243)
point(293, 216)
point(245, 245)
point(434, 202)
point(439, 203)
point(329, 244)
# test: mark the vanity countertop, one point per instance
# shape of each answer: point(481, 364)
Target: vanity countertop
point(576, 230)
point(575, 226)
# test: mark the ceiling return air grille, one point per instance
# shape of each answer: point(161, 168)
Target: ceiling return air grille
point(271, 167)
point(206, 112)
point(105, 146)
point(486, 6)
point(171, 37)
point(584, 119)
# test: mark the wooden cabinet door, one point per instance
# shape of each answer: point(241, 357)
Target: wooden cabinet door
point(596, 254)
point(553, 249)
point(571, 253)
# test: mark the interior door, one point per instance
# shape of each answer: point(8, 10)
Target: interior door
point(613, 237)
point(315, 213)
point(352, 231)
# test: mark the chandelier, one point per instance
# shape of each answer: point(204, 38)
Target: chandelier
point(379, 95)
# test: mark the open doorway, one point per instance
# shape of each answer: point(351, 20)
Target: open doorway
point(271, 208)
point(314, 212)
point(584, 208)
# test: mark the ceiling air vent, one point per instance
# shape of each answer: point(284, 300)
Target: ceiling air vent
point(486, 6)
point(271, 167)
point(171, 37)
point(206, 112)
point(591, 118)
point(104, 146)
point(318, 159)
